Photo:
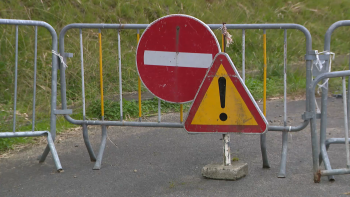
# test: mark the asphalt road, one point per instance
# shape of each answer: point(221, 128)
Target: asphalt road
point(168, 162)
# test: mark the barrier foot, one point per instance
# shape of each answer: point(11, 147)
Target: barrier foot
point(54, 153)
point(51, 147)
point(88, 144)
point(102, 148)
point(263, 151)
point(282, 173)
point(324, 158)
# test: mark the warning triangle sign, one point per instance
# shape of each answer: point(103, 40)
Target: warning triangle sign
point(223, 103)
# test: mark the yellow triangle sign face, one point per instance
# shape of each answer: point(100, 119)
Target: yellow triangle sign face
point(211, 103)
point(223, 103)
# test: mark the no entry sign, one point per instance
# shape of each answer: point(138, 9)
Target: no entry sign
point(173, 56)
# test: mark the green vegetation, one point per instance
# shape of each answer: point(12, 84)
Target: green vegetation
point(316, 16)
point(131, 109)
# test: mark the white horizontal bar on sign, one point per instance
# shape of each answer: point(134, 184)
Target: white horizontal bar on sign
point(165, 58)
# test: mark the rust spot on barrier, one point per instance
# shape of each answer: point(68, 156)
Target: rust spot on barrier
point(317, 177)
point(122, 26)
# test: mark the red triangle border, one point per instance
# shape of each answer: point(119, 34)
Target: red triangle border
point(224, 59)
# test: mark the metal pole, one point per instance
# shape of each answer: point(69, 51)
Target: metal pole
point(263, 136)
point(53, 104)
point(346, 129)
point(265, 70)
point(226, 137)
point(82, 71)
point(15, 91)
point(120, 78)
point(34, 82)
point(243, 54)
point(104, 130)
point(139, 82)
point(348, 98)
point(85, 128)
point(227, 152)
point(159, 111)
point(282, 173)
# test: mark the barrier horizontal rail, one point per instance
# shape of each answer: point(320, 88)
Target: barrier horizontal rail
point(50, 135)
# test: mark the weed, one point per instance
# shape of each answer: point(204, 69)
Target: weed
point(235, 159)
point(130, 109)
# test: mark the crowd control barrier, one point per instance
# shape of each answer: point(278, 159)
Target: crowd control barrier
point(50, 135)
point(319, 148)
point(312, 58)
point(103, 123)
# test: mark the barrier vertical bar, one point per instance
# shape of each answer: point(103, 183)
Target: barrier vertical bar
point(282, 173)
point(323, 127)
point(54, 67)
point(34, 80)
point(159, 111)
point(82, 72)
point(348, 98)
point(120, 78)
point(104, 130)
point(139, 82)
point(265, 68)
point(263, 136)
point(85, 129)
point(285, 79)
point(243, 54)
point(15, 91)
point(346, 129)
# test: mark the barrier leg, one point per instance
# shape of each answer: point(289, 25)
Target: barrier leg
point(44, 155)
point(102, 148)
point(323, 129)
point(263, 151)
point(282, 173)
point(51, 146)
point(87, 143)
point(325, 159)
point(263, 136)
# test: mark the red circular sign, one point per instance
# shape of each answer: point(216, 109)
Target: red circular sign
point(173, 56)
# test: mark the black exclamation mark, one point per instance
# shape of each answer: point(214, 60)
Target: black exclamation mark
point(222, 91)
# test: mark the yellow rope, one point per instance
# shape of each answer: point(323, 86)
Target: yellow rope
point(101, 77)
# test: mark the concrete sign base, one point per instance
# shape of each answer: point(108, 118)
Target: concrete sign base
point(232, 172)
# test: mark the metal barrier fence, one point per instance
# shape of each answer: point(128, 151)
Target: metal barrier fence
point(319, 151)
point(84, 123)
point(52, 133)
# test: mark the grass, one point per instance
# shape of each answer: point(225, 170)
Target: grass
point(316, 16)
point(131, 109)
